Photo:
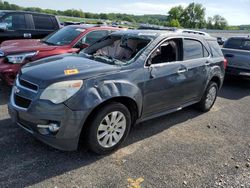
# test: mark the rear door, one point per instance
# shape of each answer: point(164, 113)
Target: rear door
point(43, 26)
point(17, 25)
point(196, 59)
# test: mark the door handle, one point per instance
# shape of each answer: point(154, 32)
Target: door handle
point(229, 55)
point(207, 63)
point(180, 71)
point(27, 35)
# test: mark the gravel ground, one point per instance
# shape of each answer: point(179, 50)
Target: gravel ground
point(183, 149)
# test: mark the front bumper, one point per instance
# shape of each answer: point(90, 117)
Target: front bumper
point(43, 112)
point(237, 72)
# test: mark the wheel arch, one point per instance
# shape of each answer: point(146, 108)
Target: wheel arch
point(217, 80)
point(126, 101)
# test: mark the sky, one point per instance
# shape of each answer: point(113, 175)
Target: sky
point(235, 11)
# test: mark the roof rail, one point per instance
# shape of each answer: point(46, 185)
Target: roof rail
point(156, 27)
point(193, 32)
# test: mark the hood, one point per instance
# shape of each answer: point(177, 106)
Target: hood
point(50, 70)
point(21, 46)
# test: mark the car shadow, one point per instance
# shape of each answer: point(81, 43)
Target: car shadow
point(235, 88)
point(4, 93)
point(26, 161)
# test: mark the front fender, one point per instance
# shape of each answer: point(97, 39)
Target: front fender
point(95, 93)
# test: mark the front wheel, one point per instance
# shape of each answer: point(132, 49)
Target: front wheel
point(109, 128)
point(208, 98)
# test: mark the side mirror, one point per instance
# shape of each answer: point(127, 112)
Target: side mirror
point(3, 26)
point(153, 55)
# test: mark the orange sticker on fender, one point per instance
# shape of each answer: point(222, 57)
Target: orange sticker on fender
point(71, 71)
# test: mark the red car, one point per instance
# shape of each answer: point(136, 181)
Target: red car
point(71, 39)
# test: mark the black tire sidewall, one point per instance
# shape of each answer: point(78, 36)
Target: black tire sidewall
point(92, 141)
point(202, 103)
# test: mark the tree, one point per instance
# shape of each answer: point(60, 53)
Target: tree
point(210, 23)
point(175, 13)
point(174, 23)
point(220, 22)
point(193, 16)
point(217, 22)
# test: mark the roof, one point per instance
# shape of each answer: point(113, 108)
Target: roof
point(20, 11)
point(248, 37)
point(92, 27)
point(165, 33)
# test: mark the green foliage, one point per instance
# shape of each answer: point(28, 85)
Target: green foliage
point(174, 23)
point(193, 16)
point(217, 22)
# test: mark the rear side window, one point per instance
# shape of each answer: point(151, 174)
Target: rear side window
point(94, 36)
point(192, 49)
point(246, 45)
point(15, 22)
point(43, 22)
point(233, 43)
point(215, 48)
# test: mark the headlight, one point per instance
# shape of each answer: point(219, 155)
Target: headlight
point(61, 91)
point(19, 58)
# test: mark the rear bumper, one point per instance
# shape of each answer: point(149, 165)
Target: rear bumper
point(237, 72)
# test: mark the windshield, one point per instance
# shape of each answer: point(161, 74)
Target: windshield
point(63, 36)
point(117, 49)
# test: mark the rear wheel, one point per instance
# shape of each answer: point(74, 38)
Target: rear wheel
point(208, 98)
point(109, 128)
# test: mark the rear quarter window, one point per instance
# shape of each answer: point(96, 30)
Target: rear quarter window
point(43, 22)
point(215, 49)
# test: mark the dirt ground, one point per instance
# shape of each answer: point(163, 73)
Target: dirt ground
point(183, 149)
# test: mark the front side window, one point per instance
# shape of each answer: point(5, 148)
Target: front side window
point(192, 49)
point(167, 52)
point(63, 36)
point(15, 22)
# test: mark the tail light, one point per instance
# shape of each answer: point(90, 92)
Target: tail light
point(225, 63)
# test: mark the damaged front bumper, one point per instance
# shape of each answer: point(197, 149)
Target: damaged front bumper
point(39, 115)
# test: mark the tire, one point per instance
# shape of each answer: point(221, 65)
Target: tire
point(104, 135)
point(208, 98)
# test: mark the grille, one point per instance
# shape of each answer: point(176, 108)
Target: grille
point(22, 102)
point(28, 85)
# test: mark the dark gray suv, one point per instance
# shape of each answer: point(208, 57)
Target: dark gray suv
point(123, 79)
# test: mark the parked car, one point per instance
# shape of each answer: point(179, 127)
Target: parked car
point(126, 78)
point(237, 52)
point(71, 39)
point(26, 25)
